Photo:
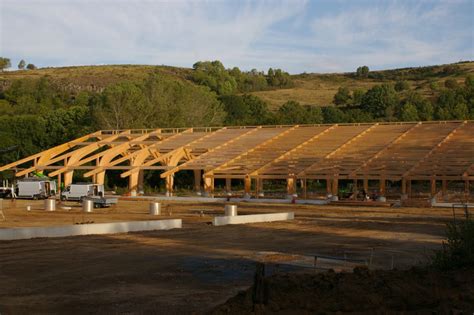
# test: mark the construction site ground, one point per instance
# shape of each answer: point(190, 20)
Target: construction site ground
point(193, 269)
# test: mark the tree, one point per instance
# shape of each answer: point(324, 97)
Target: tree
point(291, 113)
point(358, 96)
point(314, 114)
point(380, 101)
point(423, 106)
point(362, 72)
point(355, 115)
point(123, 106)
point(333, 115)
point(460, 111)
point(5, 63)
point(181, 104)
point(245, 110)
point(409, 112)
point(294, 113)
point(31, 66)
point(343, 96)
point(215, 76)
point(21, 64)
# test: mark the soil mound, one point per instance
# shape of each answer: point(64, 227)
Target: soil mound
point(414, 291)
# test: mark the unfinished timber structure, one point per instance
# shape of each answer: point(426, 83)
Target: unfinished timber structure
point(436, 152)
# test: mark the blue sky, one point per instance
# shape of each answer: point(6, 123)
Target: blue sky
point(298, 36)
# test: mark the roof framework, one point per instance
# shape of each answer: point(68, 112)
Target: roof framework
point(393, 151)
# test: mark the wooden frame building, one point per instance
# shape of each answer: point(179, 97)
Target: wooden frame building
point(437, 152)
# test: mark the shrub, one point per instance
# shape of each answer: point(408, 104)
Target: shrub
point(451, 83)
point(401, 86)
point(458, 250)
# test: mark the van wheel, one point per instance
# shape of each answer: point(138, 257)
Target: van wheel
point(63, 198)
point(35, 197)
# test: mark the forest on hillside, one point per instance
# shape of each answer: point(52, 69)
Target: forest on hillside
point(36, 113)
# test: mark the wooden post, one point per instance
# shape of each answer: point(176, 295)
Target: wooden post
point(228, 184)
point(169, 184)
point(59, 184)
point(290, 185)
point(382, 186)
point(133, 183)
point(209, 184)
point(404, 186)
point(197, 180)
point(328, 186)
point(100, 178)
point(68, 178)
point(141, 179)
point(433, 187)
point(259, 186)
point(305, 188)
point(444, 187)
point(366, 185)
point(247, 184)
point(335, 186)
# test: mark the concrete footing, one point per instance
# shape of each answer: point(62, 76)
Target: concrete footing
point(88, 229)
point(253, 218)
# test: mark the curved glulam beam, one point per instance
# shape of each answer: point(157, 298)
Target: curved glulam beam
point(44, 156)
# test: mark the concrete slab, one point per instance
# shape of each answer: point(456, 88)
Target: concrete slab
point(211, 200)
point(253, 218)
point(88, 229)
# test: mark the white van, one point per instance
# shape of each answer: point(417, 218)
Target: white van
point(80, 191)
point(35, 188)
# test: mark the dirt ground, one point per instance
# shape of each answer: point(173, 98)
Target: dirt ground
point(414, 291)
point(193, 269)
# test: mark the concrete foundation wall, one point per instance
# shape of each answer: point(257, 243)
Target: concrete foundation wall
point(88, 229)
point(253, 218)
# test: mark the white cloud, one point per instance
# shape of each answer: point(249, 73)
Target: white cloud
point(294, 35)
point(394, 34)
point(176, 33)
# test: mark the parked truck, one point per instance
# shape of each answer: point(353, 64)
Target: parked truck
point(81, 191)
point(35, 188)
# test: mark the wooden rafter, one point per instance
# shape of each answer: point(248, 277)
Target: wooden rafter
point(178, 151)
point(384, 149)
point(263, 144)
point(342, 146)
point(225, 144)
point(151, 149)
point(77, 159)
point(434, 149)
point(299, 146)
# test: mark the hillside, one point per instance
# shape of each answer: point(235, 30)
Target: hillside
point(309, 89)
point(319, 89)
point(91, 78)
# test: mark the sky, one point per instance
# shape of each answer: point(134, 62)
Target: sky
point(296, 36)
